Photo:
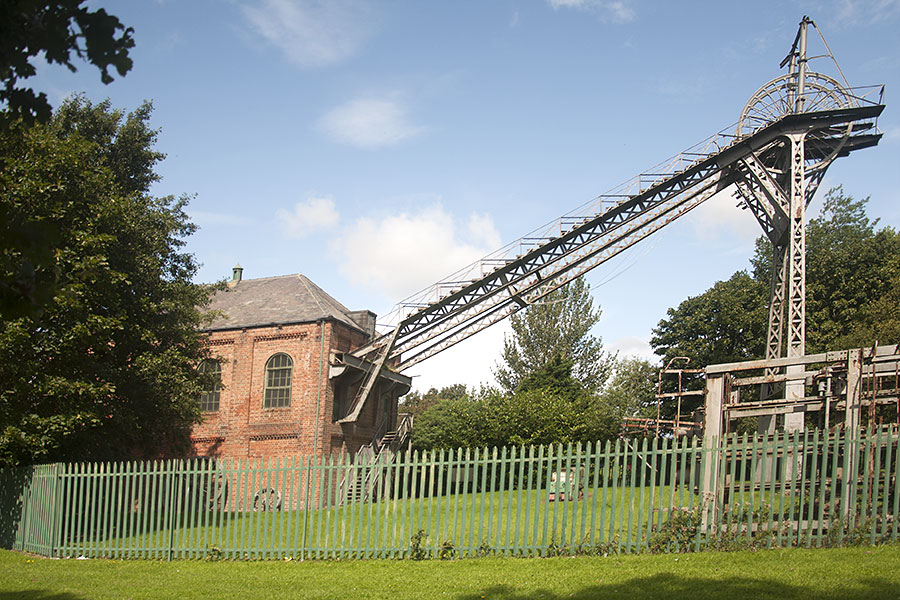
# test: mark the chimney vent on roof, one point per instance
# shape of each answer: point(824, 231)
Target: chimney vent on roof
point(237, 272)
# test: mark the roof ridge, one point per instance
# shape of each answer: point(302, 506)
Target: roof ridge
point(331, 299)
point(282, 299)
point(305, 281)
point(271, 277)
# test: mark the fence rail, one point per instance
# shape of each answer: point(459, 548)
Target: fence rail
point(809, 488)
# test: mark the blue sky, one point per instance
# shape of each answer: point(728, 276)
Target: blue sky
point(377, 147)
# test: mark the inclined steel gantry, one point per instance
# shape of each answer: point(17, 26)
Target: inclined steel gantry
point(773, 158)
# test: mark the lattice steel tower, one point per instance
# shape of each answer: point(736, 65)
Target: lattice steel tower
point(773, 159)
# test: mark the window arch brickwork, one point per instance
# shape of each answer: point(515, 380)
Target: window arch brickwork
point(279, 375)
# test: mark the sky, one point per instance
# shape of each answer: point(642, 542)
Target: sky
point(377, 147)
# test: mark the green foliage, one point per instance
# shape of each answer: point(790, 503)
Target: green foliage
point(852, 293)
point(549, 407)
point(631, 392)
point(447, 550)
point(450, 423)
point(552, 369)
point(727, 323)
point(852, 277)
point(106, 367)
point(678, 533)
point(418, 545)
point(57, 32)
point(535, 417)
point(484, 550)
point(557, 327)
point(556, 378)
point(416, 402)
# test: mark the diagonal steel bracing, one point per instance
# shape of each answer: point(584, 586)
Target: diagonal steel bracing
point(560, 254)
point(467, 306)
point(797, 250)
point(531, 287)
point(775, 157)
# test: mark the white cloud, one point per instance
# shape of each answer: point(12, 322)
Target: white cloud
point(369, 123)
point(310, 216)
point(469, 362)
point(866, 11)
point(402, 254)
point(719, 217)
point(612, 11)
point(311, 33)
point(631, 346)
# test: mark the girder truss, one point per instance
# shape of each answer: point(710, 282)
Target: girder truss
point(525, 271)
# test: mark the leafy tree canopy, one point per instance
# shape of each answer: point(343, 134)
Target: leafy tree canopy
point(727, 323)
point(450, 423)
point(417, 402)
point(58, 32)
point(557, 327)
point(852, 268)
point(550, 406)
point(551, 379)
point(630, 392)
point(107, 367)
point(852, 277)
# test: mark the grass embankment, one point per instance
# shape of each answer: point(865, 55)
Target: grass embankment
point(848, 573)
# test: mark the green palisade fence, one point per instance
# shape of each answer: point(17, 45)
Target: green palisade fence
point(808, 488)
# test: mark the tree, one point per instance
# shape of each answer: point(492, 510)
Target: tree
point(558, 326)
point(549, 407)
point(535, 416)
point(493, 418)
point(726, 323)
point(108, 367)
point(851, 268)
point(852, 277)
point(58, 32)
point(416, 402)
point(451, 423)
point(631, 392)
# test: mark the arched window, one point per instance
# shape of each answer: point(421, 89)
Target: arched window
point(209, 399)
point(278, 381)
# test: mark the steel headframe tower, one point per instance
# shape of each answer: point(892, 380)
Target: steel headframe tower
point(789, 132)
point(778, 188)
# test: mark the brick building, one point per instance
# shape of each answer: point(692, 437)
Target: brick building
point(278, 344)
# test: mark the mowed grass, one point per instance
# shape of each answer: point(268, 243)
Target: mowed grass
point(848, 573)
point(506, 522)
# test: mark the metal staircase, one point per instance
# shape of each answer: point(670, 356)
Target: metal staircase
point(371, 461)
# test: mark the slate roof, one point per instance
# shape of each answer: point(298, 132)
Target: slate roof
point(281, 300)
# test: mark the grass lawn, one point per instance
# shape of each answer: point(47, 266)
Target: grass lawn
point(850, 573)
point(503, 521)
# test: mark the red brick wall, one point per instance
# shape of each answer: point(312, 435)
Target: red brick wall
point(242, 428)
